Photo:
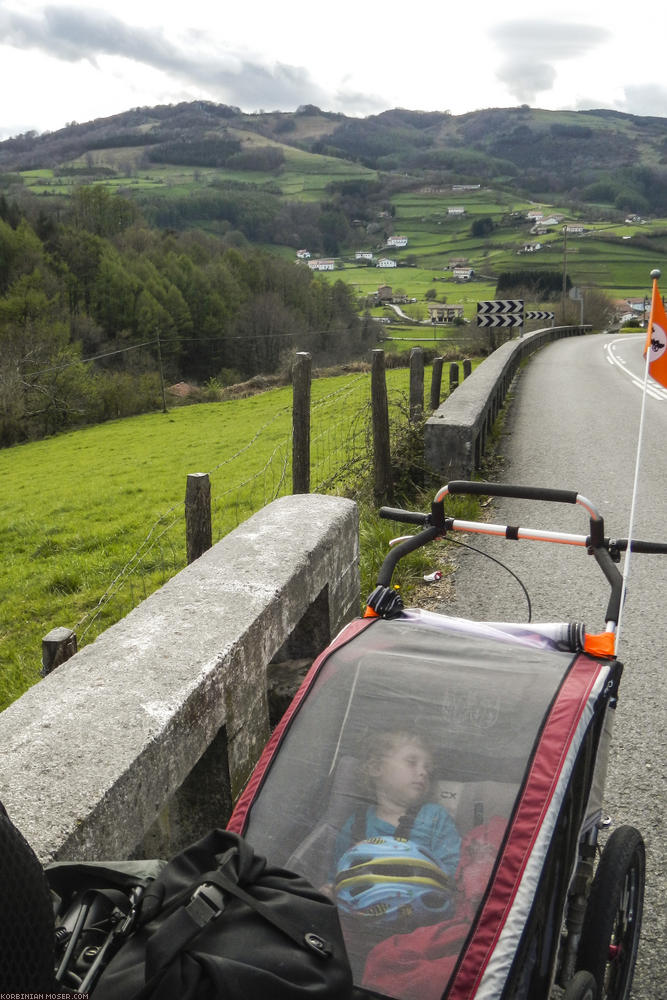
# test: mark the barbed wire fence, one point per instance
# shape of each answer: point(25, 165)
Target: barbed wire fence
point(341, 458)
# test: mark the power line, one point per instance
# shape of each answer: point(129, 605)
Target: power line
point(84, 361)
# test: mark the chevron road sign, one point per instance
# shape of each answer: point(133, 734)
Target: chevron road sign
point(537, 314)
point(509, 319)
point(500, 312)
point(497, 306)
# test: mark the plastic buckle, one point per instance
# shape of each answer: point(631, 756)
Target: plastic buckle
point(206, 903)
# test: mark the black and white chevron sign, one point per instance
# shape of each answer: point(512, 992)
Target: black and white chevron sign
point(508, 319)
point(497, 307)
point(537, 314)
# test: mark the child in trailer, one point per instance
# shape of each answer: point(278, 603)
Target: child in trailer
point(396, 856)
point(397, 771)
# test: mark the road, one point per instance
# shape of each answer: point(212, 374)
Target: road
point(573, 422)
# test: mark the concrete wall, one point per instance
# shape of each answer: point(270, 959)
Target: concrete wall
point(144, 738)
point(456, 434)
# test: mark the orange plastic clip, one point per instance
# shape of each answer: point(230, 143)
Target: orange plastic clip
point(369, 613)
point(603, 644)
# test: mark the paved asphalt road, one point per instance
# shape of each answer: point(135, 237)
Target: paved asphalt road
point(573, 423)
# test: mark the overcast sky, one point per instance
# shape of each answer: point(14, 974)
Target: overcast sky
point(75, 61)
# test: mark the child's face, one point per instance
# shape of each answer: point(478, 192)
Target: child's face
point(403, 775)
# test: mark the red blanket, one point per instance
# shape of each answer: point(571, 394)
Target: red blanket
point(417, 966)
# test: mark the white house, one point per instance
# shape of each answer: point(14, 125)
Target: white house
point(536, 216)
point(303, 254)
point(386, 262)
point(321, 264)
point(575, 229)
point(530, 248)
point(463, 273)
point(456, 210)
point(397, 241)
point(363, 255)
point(440, 312)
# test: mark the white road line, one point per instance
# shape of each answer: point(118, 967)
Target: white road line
point(653, 388)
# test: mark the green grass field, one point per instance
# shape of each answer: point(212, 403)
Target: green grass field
point(104, 506)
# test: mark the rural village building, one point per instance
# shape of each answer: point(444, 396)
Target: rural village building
point(397, 241)
point(441, 312)
point(386, 262)
point(322, 264)
point(466, 187)
point(303, 254)
point(384, 293)
point(575, 229)
point(463, 273)
point(363, 255)
point(456, 210)
point(458, 262)
point(530, 248)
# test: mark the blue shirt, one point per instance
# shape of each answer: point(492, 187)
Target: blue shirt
point(433, 829)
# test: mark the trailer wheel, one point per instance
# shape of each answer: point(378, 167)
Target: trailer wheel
point(581, 987)
point(612, 922)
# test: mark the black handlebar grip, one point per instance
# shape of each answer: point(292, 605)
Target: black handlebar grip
point(406, 516)
point(649, 548)
point(507, 490)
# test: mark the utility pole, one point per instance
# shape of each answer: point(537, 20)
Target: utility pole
point(564, 290)
point(159, 361)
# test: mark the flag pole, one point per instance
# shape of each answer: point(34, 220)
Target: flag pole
point(655, 274)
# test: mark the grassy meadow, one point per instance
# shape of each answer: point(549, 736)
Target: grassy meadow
point(91, 522)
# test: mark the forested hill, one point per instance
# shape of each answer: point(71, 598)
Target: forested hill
point(97, 310)
point(589, 156)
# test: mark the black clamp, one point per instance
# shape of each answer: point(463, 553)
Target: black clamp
point(385, 602)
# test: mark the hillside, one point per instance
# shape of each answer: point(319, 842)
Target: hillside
point(590, 156)
point(199, 244)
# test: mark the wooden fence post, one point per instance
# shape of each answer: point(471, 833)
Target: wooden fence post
point(436, 382)
point(453, 376)
point(198, 535)
point(57, 646)
point(467, 367)
point(380, 412)
point(301, 379)
point(416, 383)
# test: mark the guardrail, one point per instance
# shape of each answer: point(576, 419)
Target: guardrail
point(455, 436)
point(147, 735)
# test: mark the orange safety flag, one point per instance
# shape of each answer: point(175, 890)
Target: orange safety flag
point(656, 338)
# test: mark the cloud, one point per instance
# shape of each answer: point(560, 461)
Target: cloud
point(645, 99)
point(358, 103)
point(532, 47)
point(526, 81)
point(73, 34)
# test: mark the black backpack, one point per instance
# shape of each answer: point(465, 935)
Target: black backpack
point(217, 921)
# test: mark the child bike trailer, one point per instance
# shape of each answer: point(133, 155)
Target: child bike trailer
point(490, 885)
